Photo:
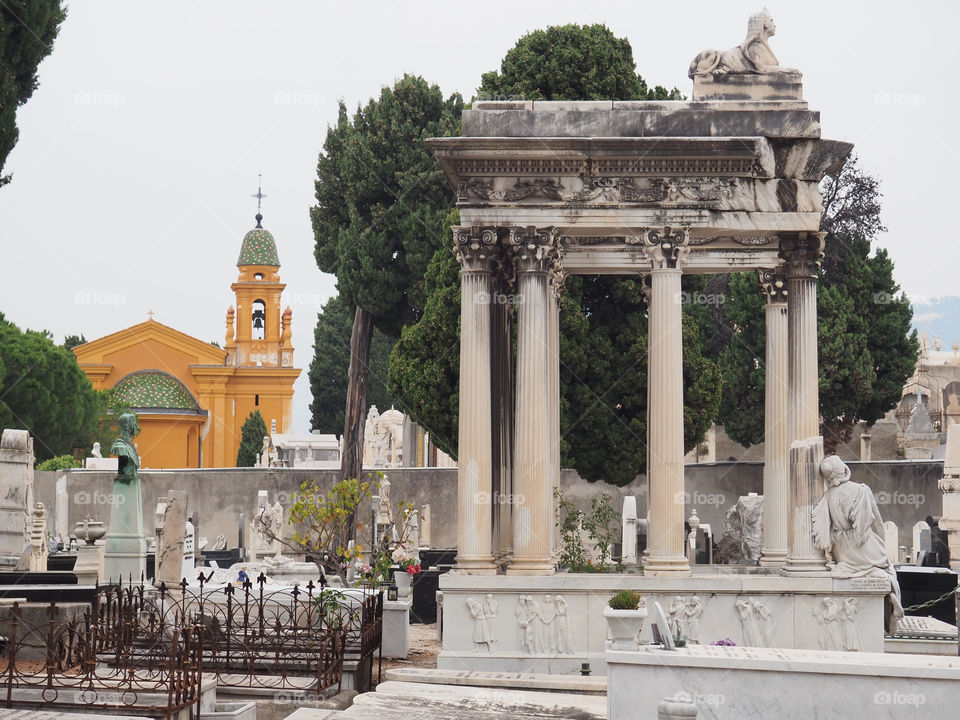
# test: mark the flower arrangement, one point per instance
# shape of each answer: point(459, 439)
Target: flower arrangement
point(407, 558)
point(726, 642)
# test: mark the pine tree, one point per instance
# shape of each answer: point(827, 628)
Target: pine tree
point(251, 439)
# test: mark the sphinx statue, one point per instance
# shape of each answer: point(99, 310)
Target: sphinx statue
point(753, 55)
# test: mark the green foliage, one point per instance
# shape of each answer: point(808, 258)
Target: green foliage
point(72, 341)
point(382, 199)
point(109, 410)
point(425, 363)
point(866, 349)
point(27, 31)
point(324, 519)
point(570, 62)
point(43, 390)
point(601, 524)
point(61, 462)
point(331, 360)
point(625, 600)
point(251, 439)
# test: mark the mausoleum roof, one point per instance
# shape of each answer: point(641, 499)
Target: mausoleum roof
point(258, 248)
point(154, 389)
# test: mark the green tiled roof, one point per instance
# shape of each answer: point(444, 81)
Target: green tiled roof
point(259, 248)
point(154, 389)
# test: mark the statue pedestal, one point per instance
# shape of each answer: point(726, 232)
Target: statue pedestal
point(783, 86)
point(89, 565)
point(125, 547)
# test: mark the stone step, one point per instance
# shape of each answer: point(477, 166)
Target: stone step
point(517, 681)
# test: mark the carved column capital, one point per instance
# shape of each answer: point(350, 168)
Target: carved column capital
point(665, 247)
point(534, 249)
point(801, 253)
point(774, 285)
point(476, 248)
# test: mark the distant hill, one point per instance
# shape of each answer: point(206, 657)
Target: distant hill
point(939, 316)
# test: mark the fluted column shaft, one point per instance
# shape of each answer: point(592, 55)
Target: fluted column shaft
point(801, 253)
point(776, 459)
point(502, 407)
point(665, 544)
point(476, 250)
point(534, 466)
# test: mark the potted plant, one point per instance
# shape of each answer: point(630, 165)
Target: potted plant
point(409, 561)
point(625, 613)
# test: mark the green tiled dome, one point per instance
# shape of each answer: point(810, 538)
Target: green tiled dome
point(259, 248)
point(154, 389)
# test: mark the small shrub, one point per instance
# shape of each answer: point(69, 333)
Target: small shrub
point(61, 462)
point(625, 600)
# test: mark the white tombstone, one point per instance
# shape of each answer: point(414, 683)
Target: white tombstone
point(38, 540)
point(629, 530)
point(189, 551)
point(921, 542)
point(16, 494)
point(62, 506)
point(170, 523)
point(425, 526)
point(891, 538)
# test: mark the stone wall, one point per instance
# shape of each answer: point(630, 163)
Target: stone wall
point(906, 492)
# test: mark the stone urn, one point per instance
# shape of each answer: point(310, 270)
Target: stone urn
point(90, 531)
point(402, 579)
point(625, 626)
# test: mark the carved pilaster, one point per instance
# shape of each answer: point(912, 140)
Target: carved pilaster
point(476, 248)
point(801, 254)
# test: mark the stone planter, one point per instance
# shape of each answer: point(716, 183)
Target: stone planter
point(625, 626)
point(402, 579)
point(90, 531)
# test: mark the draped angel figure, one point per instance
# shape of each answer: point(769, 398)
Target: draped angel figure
point(847, 523)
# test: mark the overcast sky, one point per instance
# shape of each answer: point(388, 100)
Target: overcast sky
point(139, 152)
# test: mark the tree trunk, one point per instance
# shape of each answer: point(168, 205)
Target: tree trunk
point(351, 463)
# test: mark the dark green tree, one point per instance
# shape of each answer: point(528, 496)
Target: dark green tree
point(251, 439)
point(425, 362)
point(331, 359)
point(72, 341)
point(866, 347)
point(570, 62)
point(603, 321)
point(379, 218)
point(43, 390)
point(27, 31)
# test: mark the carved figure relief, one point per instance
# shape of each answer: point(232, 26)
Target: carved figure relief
point(484, 625)
point(684, 617)
point(544, 627)
point(836, 618)
point(755, 620)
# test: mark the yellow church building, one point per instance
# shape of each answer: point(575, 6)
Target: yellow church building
point(191, 398)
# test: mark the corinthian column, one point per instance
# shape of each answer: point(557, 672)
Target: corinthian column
point(801, 253)
point(477, 250)
point(665, 539)
point(534, 467)
point(776, 443)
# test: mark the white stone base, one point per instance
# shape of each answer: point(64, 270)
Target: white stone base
point(396, 628)
point(476, 639)
point(735, 683)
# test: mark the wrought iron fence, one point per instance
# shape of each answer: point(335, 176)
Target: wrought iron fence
point(61, 662)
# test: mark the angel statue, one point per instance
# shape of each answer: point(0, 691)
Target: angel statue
point(847, 523)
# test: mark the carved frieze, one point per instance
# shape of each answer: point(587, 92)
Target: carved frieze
point(543, 626)
point(756, 621)
point(484, 614)
point(837, 620)
point(684, 617)
point(680, 192)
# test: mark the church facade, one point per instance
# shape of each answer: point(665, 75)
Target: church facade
point(191, 398)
